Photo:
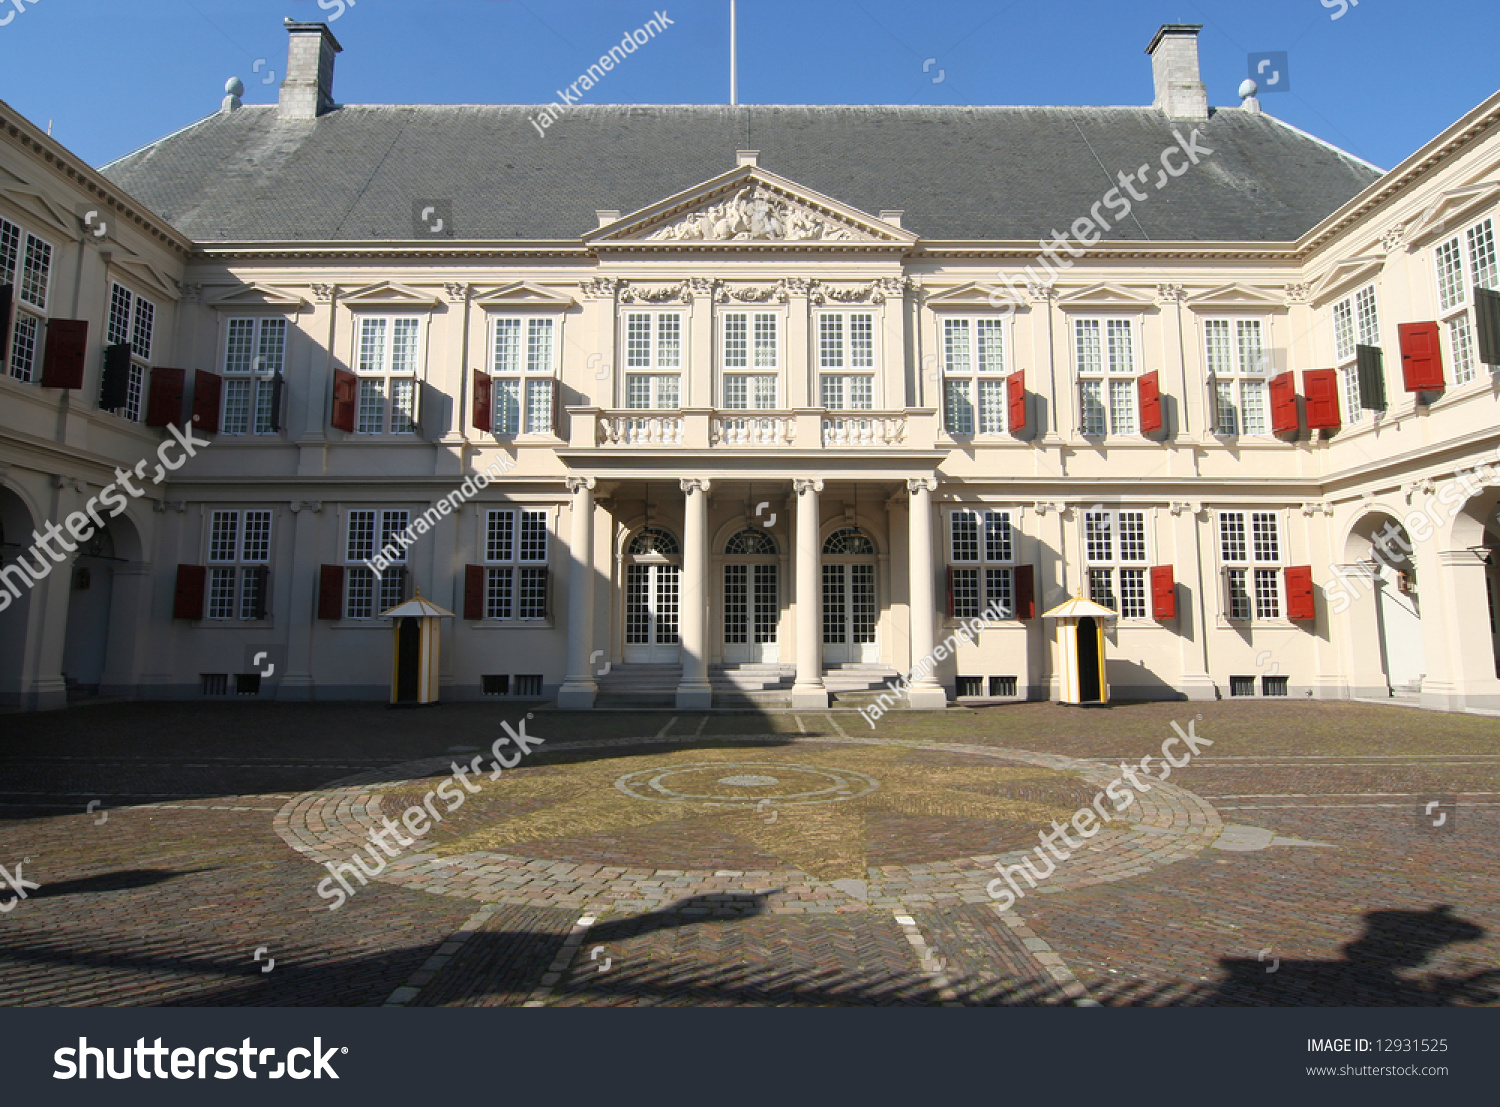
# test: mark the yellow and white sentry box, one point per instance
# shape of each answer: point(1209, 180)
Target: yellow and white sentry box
point(414, 661)
point(1080, 645)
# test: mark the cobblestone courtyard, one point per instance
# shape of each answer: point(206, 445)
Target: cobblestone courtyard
point(657, 858)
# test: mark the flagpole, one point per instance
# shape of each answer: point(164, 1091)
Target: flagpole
point(734, 77)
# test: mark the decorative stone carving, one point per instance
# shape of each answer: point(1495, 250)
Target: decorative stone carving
point(918, 484)
point(689, 485)
point(575, 483)
point(873, 293)
point(1189, 508)
point(314, 506)
point(457, 293)
point(797, 286)
point(804, 484)
point(1041, 293)
point(1170, 294)
point(701, 287)
point(1323, 508)
point(1392, 239)
point(599, 288)
point(322, 293)
point(665, 294)
point(749, 294)
point(1422, 486)
point(1297, 293)
point(189, 293)
point(755, 214)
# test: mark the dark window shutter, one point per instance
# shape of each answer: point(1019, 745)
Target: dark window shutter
point(484, 401)
point(1299, 594)
point(950, 591)
point(1321, 387)
point(404, 574)
point(1421, 357)
point(1163, 593)
point(345, 399)
point(62, 363)
point(1024, 580)
point(557, 408)
point(278, 390)
point(191, 584)
point(7, 298)
point(1284, 404)
point(114, 385)
point(1487, 325)
point(547, 595)
point(164, 407)
point(474, 592)
point(262, 576)
point(331, 592)
point(1148, 389)
point(206, 390)
point(1371, 370)
point(1015, 396)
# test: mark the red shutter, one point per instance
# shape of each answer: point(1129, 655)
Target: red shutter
point(950, 591)
point(474, 592)
point(1148, 388)
point(1163, 593)
point(1024, 588)
point(62, 363)
point(1015, 394)
point(7, 297)
point(165, 404)
point(331, 592)
point(484, 401)
point(1284, 404)
point(191, 581)
point(1421, 357)
point(345, 399)
point(1321, 388)
point(206, 389)
point(1299, 594)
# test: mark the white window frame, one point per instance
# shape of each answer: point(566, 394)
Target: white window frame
point(524, 378)
point(131, 318)
point(385, 592)
point(1244, 571)
point(749, 380)
point(647, 373)
point(512, 561)
point(1237, 366)
point(1111, 384)
point(1117, 570)
point(1462, 263)
point(974, 373)
point(18, 247)
point(844, 375)
point(250, 382)
point(229, 596)
point(1356, 322)
point(991, 569)
point(383, 381)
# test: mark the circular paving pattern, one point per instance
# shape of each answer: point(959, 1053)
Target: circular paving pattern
point(816, 825)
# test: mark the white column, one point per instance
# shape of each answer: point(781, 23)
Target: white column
point(578, 687)
point(1456, 630)
point(694, 693)
point(925, 693)
point(808, 692)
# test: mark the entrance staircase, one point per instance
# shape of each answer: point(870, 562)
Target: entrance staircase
point(746, 687)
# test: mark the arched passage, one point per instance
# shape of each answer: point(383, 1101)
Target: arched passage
point(1382, 593)
point(16, 525)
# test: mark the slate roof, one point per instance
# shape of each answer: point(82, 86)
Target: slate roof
point(1005, 173)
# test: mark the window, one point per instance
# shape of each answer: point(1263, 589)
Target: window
point(132, 319)
point(846, 360)
point(1114, 546)
point(239, 553)
point(365, 594)
point(974, 376)
point(1250, 551)
point(1464, 262)
point(1355, 323)
point(1235, 355)
point(515, 556)
point(981, 550)
point(26, 264)
point(1105, 351)
point(653, 359)
point(523, 362)
point(254, 353)
point(752, 359)
point(386, 363)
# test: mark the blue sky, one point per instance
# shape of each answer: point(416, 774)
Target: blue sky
point(1380, 80)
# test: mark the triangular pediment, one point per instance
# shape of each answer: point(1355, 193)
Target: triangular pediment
point(749, 207)
point(144, 274)
point(1343, 276)
point(1236, 296)
point(47, 213)
point(1448, 209)
point(389, 294)
point(255, 296)
point(975, 296)
point(1112, 296)
point(521, 294)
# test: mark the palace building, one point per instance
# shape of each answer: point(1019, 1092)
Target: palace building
point(772, 398)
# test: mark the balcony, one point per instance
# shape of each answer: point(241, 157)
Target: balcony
point(707, 429)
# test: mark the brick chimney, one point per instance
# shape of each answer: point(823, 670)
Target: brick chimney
point(1174, 70)
point(307, 91)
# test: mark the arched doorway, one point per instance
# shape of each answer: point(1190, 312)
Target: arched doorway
point(851, 608)
point(1090, 670)
point(16, 526)
point(653, 572)
point(90, 598)
point(752, 598)
point(1380, 578)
